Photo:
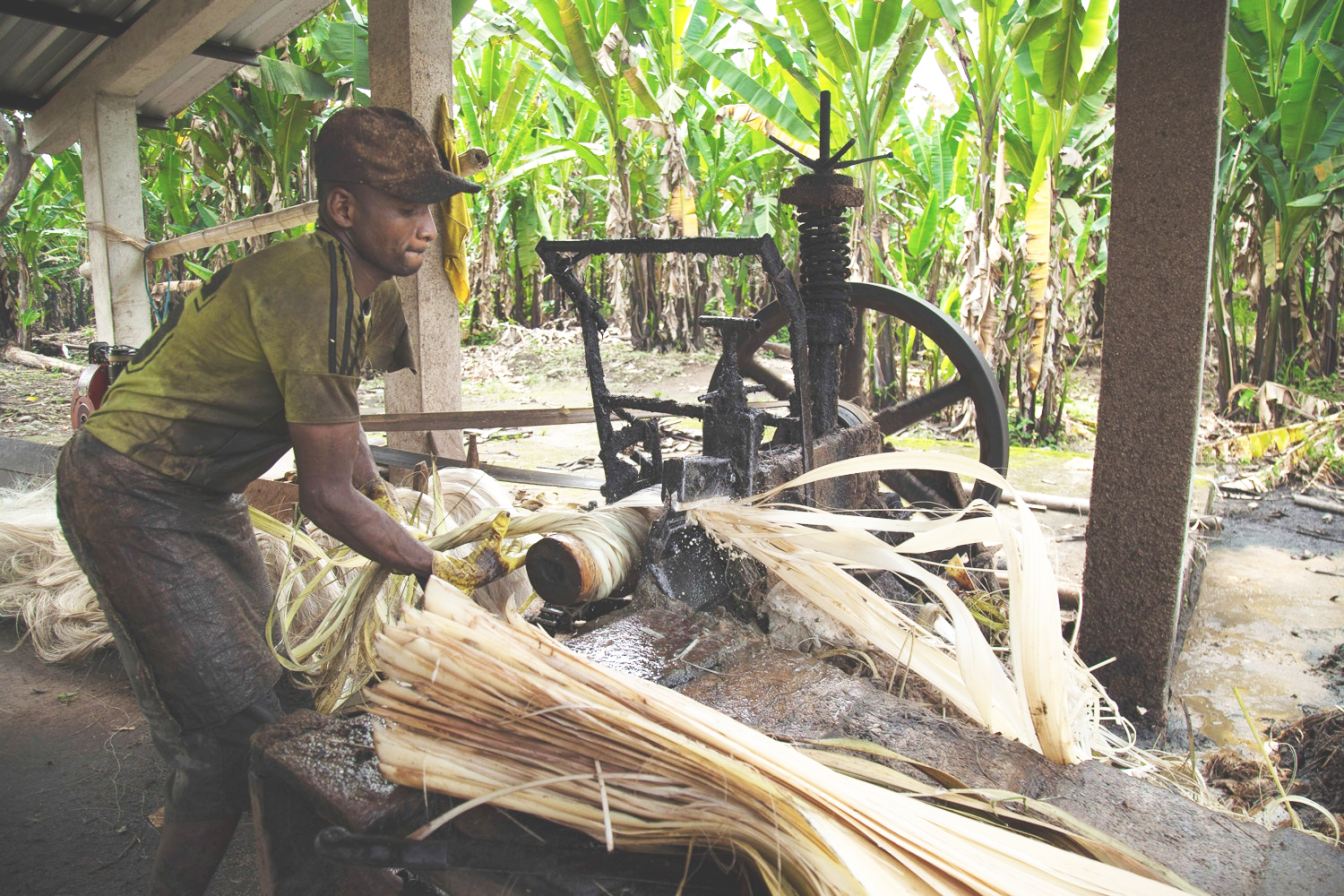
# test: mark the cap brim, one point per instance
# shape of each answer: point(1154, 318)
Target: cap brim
point(430, 187)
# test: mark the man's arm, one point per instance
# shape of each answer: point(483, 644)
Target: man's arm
point(363, 470)
point(331, 459)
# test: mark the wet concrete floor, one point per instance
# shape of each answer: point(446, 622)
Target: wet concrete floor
point(1265, 617)
point(1269, 612)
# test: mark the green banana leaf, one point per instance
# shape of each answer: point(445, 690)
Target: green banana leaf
point(288, 78)
point(750, 91)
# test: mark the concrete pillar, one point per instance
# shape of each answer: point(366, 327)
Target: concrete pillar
point(1168, 112)
point(113, 206)
point(410, 66)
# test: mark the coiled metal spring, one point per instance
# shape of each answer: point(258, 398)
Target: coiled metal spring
point(823, 247)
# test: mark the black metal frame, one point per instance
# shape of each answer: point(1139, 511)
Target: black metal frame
point(820, 311)
point(732, 430)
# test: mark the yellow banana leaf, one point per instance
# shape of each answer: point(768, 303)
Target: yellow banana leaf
point(1258, 444)
point(1038, 253)
point(681, 205)
point(456, 223)
point(745, 114)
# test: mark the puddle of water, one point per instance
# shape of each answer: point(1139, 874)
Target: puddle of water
point(1263, 620)
point(652, 644)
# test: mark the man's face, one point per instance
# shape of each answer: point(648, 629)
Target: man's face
point(389, 234)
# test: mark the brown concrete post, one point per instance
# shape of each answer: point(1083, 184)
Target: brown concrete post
point(410, 66)
point(1168, 113)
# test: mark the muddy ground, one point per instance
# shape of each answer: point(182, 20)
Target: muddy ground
point(80, 782)
point(1270, 617)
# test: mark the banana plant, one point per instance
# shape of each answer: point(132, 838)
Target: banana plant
point(667, 95)
point(589, 47)
point(926, 212)
point(498, 84)
point(1065, 69)
point(976, 45)
point(40, 248)
point(1285, 68)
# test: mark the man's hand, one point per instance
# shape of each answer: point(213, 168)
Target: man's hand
point(330, 460)
point(485, 564)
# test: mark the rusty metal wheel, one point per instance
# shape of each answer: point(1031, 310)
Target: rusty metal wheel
point(974, 380)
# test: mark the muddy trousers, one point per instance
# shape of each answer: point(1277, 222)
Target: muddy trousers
point(179, 576)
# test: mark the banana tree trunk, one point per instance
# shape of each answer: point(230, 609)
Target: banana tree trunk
point(1266, 336)
point(620, 226)
point(25, 291)
point(855, 383)
point(680, 303)
point(1330, 335)
point(1331, 260)
point(1298, 329)
point(980, 313)
point(1228, 374)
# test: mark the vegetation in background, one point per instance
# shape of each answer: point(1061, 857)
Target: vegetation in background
point(653, 117)
point(1276, 284)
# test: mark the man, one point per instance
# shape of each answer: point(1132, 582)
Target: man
point(265, 356)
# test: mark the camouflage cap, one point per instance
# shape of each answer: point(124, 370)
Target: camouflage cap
point(387, 149)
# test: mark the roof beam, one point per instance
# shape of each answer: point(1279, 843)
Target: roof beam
point(62, 17)
point(19, 102)
point(88, 23)
point(148, 49)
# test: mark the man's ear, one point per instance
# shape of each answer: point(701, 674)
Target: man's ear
point(340, 207)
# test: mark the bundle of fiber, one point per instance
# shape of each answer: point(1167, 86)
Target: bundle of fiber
point(1043, 696)
point(290, 554)
point(41, 585)
point(488, 711)
point(314, 574)
point(336, 651)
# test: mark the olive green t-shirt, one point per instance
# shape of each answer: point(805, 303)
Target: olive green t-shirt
point(279, 337)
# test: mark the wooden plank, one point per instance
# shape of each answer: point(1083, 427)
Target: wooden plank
point(22, 461)
point(481, 419)
point(499, 417)
point(395, 457)
point(28, 458)
point(20, 457)
point(242, 228)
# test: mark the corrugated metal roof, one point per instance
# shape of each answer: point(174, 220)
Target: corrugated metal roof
point(257, 30)
point(44, 45)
